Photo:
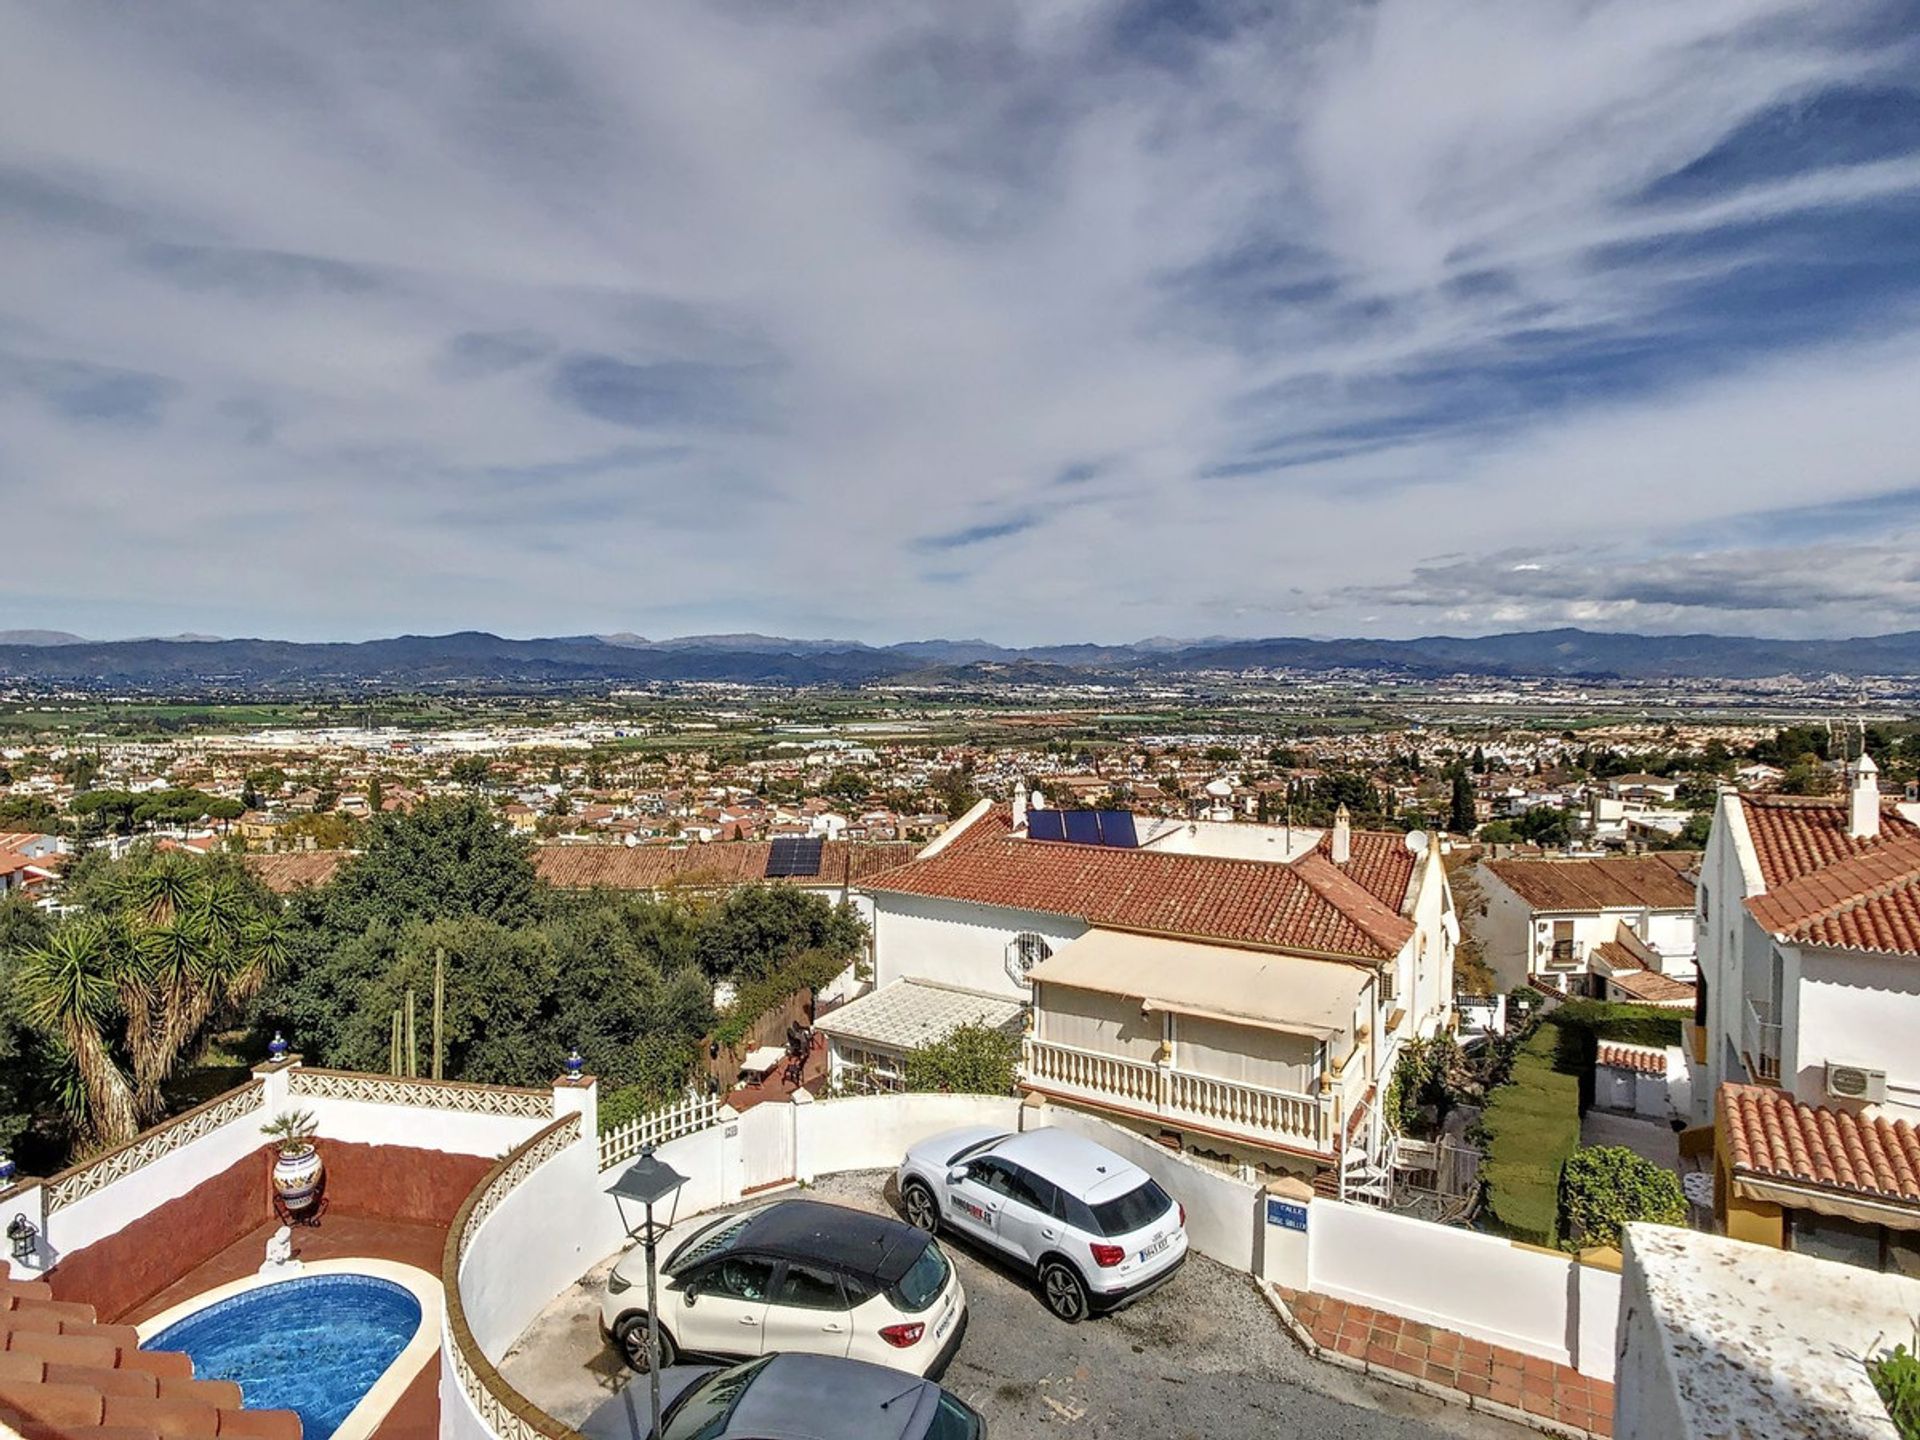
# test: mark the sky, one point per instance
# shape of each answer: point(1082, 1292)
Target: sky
point(1036, 321)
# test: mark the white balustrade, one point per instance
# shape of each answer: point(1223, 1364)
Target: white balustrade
point(1228, 1106)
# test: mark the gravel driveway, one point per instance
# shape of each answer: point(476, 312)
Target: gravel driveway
point(1201, 1356)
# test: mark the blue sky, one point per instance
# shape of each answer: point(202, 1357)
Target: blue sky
point(1049, 320)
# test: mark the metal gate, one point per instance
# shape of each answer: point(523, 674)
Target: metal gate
point(766, 1147)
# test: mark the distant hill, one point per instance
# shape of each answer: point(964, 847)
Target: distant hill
point(476, 658)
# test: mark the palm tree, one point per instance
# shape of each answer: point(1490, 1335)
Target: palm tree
point(71, 994)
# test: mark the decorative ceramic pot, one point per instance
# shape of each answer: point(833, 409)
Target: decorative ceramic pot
point(296, 1177)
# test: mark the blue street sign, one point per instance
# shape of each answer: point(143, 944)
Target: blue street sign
point(1286, 1214)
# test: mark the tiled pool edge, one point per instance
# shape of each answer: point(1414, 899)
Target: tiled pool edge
point(364, 1419)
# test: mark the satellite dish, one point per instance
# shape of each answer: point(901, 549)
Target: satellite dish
point(1417, 841)
point(1219, 789)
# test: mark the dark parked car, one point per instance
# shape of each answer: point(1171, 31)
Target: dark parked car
point(788, 1397)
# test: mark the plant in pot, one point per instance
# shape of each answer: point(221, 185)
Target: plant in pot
point(297, 1168)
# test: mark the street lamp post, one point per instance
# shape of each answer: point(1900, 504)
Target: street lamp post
point(648, 1181)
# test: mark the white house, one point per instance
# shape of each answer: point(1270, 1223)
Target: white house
point(1546, 919)
point(1250, 1009)
point(1804, 1045)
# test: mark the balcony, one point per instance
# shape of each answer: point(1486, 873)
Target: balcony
point(1179, 1098)
point(1763, 1041)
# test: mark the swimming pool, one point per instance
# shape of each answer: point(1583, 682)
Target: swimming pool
point(313, 1344)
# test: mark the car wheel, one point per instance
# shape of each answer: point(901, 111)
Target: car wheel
point(923, 1212)
point(1064, 1291)
point(631, 1336)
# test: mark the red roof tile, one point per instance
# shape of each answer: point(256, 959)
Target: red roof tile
point(650, 867)
point(1771, 1136)
point(1311, 905)
point(283, 874)
point(1867, 901)
point(1659, 882)
point(1793, 835)
point(1641, 1059)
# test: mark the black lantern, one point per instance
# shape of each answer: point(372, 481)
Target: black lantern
point(22, 1238)
point(649, 1181)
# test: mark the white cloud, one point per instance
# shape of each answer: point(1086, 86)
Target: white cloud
point(715, 315)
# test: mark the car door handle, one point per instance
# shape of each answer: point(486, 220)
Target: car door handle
point(1048, 1235)
point(749, 1319)
point(832, 1329)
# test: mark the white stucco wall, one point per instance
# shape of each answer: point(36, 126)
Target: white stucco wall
point(367, 1123)
point(953, 943)
point(1855, 1009)
point(1479, 1285)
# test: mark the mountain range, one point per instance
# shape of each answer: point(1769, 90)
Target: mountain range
point(198, 663)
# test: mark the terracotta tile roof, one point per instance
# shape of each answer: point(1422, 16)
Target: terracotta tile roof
point(1868, 901)
point(64, 1376)
point(1794, 835)
point(1642, 1059)
point(649, 867)
point(1771, 1136)
point(283, 874)
point(1311, 905)
point(1379, 860)
point(1650, 987)
point(1659, 882)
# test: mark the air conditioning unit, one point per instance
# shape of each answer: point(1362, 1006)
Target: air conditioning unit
point(1856, 1082)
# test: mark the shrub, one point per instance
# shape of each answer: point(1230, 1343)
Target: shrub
point(1626, 1024)
point(1609, 1186)
point(1896, 1375)
point(808, 971)
point(967, 1060)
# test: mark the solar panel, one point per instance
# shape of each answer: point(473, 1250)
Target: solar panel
point(1083, 827)
point(1116, 830)
point(1046, 825)
point(793, 855)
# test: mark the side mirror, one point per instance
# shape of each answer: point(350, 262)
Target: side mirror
point(691, 1295)
point(956, 1174)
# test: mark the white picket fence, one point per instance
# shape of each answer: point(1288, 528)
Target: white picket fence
point(657, 1127)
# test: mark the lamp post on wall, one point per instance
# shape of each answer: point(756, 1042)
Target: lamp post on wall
point(648, 1181)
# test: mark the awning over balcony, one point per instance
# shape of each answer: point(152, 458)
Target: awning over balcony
point(1217, 982)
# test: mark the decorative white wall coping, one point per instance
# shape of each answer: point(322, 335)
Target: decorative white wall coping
point(82, 1180)
point(457, 1095)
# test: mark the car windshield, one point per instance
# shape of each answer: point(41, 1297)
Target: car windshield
point(952, 1421)
point(918, 1288)
point(708, 1242)
point(1132, 1211)
point(704, 1408)
point(975, 1148)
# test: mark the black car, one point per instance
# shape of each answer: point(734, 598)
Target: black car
point(788, 1397)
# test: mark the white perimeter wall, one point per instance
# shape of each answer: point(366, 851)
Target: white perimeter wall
point(1480, 1285)
point(366, 1123)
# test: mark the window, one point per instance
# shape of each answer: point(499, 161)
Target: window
point(1072, 1210)
point(923, 1282)
point(809, 1289)
point(1706, 907)
point(704, 1408)
point(1132, 1211)
point(1389, 982)
point(995, 1175)
point(1029, 1189)
point(1025, 951)
point(1562, 942)
point(743, 1277)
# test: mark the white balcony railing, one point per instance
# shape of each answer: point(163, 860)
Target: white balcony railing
point(1763, 1039)
point(1230, 1107)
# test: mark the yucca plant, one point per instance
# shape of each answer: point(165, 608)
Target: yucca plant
point(291, 1130)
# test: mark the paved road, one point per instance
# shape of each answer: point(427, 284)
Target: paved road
point(1202, 1356)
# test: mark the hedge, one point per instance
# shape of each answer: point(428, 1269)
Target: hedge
point(1624, 1024)
point(1607, 1187)
point(1532, 1127)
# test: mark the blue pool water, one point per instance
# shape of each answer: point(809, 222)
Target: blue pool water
point(313, 1345)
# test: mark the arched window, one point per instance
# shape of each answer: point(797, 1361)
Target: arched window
point(1025, 951)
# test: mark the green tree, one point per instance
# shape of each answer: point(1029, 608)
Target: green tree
point(1607, 1187)
point(1461, 818)
point(447, 857)
point(376, 796)
point(956, 793)
point(473, 771)
point(759, 929)
point(24, 927)
point(971, 1059)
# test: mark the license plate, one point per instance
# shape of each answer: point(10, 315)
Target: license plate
point(946, 1322)
point(1157, 1247)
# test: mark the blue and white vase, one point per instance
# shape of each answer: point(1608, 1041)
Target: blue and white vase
point(297, 1176)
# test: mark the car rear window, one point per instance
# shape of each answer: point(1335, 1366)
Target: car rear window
point(1132, 1211)
point(952, 1421)
point(924, 1281)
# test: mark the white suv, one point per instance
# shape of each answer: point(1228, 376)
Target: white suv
point(1096, 1230)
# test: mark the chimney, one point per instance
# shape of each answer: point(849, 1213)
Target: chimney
point(1342, 836)
point(1019, 804)
point(1863, 798)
